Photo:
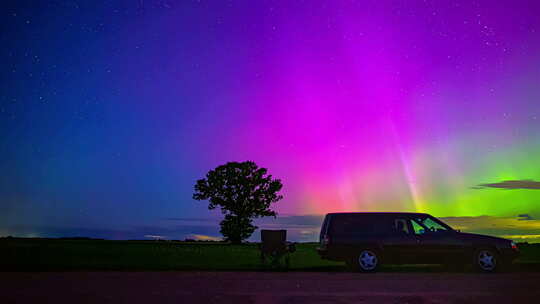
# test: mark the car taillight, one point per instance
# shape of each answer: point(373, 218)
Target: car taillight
point(514, 246)
point(326, 240)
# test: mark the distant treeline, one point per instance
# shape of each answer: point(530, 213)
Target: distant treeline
point(9, 237)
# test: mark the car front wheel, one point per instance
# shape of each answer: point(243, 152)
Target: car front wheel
point(486, 260)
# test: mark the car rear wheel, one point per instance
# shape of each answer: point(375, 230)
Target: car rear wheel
point(486, 260)
point(366, 261)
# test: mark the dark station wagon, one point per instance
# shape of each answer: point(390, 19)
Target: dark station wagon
point(364, 240)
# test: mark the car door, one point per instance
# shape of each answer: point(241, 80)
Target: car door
point(400, 243)
point(436, 243)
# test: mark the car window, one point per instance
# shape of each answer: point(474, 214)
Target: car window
point(433, 226)
point(401, 225)
point(417, 228)
point(428, 225)
point(358, 224)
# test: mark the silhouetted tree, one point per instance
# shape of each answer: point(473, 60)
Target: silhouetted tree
point(243, 191)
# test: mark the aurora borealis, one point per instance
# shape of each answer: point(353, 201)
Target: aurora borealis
point(111, 110)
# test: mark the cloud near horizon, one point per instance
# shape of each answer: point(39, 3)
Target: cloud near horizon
point(512, 184)
point(202, 237)
point(525, 217)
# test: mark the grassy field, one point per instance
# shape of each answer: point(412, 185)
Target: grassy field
point(73, 255)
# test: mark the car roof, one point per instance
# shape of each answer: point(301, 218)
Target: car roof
point(380, 213)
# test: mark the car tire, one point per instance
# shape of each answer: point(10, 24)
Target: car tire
point(487, 260)
point(367, 260)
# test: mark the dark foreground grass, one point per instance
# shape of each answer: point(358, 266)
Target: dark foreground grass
point(76, 255)
point(43, 254)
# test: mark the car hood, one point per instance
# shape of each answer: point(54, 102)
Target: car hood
point(473, 237)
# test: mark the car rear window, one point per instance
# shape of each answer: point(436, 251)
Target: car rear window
point(324, 227)
point(356, 224)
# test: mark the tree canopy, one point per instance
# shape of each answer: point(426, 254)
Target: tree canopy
point(243, 191)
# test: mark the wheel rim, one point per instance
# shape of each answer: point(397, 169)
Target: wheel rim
point(367, 260)
point(486, 260)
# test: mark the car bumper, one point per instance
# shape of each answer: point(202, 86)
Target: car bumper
point(323, 253)
point(509, 254)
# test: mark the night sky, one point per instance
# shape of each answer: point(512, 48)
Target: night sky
point(111, 110)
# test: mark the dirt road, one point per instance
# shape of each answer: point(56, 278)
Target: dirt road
point(266, 287)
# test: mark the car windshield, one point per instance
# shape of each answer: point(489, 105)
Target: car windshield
point(423, 224)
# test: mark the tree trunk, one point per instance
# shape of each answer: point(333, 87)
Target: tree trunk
point(236, 242)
